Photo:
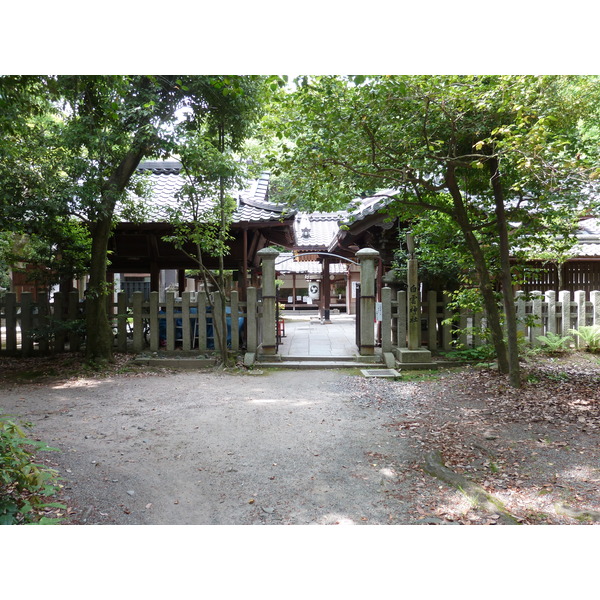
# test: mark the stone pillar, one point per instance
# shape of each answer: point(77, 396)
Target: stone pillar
point(367, 257)
point(269, 299)
point(414, 305)
point(414, 355)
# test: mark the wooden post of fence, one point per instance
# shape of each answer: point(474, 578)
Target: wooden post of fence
point(154, 319)
point(73, 312)
point(138, 324)
point(10, 306)
point(386, 319)
point(59, 332)
point(462, 336)
point(235, 321)
point(595, 298)
point(564, 297)
point(220, 336)
point(520, 303)
point(581, 320)
point(170, 313)
point(122, 322)
point(550, 296)
point(26, 323)
point(201, 327)
point(395, 323)
point(401, 322)
point(251, 317)
point(432, 340)
point(477, 339)
point(186, 333)
point(536, 329)
point(447, 326)
point(42, 322)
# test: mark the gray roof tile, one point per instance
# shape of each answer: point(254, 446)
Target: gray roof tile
point(316, 230)
point(285, 263)
point(165, 181)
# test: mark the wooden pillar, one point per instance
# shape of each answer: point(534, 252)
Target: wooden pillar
point(110, 296)
point(386, 319)
point(154, 277)
point(293, 291)
point(251, 319)
point(181, 281)
point(244, 268)
point(326, 292)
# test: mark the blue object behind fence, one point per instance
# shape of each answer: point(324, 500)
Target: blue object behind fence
point(210, 344)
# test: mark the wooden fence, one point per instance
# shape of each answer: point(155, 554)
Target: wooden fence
point(441, 329)
point(187, 323)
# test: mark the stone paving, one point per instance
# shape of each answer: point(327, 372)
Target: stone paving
point(305, 335)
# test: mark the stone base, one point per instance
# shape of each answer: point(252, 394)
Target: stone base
point(389, 360)
point(408, 357)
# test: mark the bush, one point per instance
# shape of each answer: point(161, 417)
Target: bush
point(590, 335)
point(25, 486)
point(553, 343)
point(480, 354)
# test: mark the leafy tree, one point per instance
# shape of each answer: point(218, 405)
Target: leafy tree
point(98, 130)
point(487, 151)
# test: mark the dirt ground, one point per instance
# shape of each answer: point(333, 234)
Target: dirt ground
point(313, 447)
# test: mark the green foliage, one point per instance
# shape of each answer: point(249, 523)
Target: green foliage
point(5, 261)
point(553, 343)
point(487, 151)
point(51, 328)
point(438, 269)
point(589, 335)
point(69, 147)
point(481, 354)
point(25, 486)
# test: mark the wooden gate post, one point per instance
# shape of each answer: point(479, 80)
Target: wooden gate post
point(269, 299)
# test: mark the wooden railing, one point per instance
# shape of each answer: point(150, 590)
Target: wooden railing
point(537, 314)
point(186, 323)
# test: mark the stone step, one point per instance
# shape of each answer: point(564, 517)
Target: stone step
point(328, 357)
point(318, 364)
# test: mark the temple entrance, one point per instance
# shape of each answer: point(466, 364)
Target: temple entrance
point(317, 315)
point(320, 332)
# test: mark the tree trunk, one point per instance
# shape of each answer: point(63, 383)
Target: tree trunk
point(99, 345)
point(507, 287)
point(485, 283)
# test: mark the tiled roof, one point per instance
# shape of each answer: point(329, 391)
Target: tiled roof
point(363, 207)
point(316, 230)
point(165, 182)
point(285, 263)
point(588, 238)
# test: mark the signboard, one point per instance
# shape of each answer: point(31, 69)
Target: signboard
point(378, 311)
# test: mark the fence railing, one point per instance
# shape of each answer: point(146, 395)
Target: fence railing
point(188, 323)
point(441, 329)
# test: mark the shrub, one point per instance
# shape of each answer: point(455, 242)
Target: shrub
point(553, 343)
point(25, 486)
point(590, 335)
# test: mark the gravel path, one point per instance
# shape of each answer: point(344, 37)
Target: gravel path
point(287, 447)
